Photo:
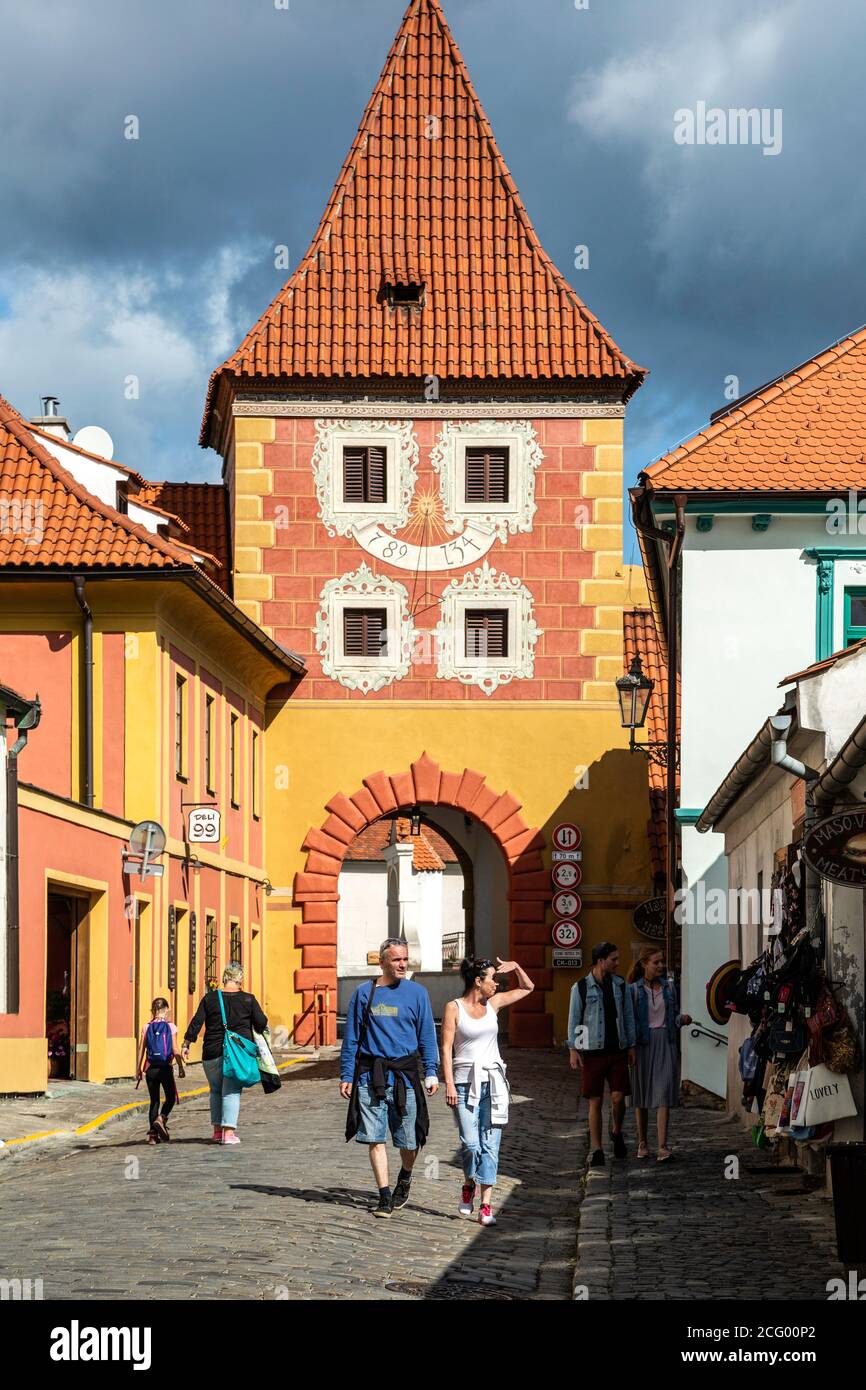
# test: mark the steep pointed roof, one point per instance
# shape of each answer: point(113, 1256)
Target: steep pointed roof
point(803, 432)
point(426, 196)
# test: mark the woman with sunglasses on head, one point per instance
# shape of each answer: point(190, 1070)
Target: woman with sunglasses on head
point(475, 1084)
point(655, 1082)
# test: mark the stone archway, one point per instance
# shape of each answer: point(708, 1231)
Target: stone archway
point(316, 888)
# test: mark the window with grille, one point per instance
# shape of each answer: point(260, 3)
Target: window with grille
point(210, 949)
point(235, 943)
point(365, 632)
point(487, 632)
point(487, 473)
point(364, 474)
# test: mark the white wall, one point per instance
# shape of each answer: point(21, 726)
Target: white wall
point(490, 878)
point(100, 478)
point(362, 916)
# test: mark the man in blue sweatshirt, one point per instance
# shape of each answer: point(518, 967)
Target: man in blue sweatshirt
point(389, 1035)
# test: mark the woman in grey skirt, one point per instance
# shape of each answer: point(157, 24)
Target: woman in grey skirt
point(655, 1077)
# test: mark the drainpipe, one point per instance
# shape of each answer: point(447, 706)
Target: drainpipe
point(673, 665)
point(26, 721)
point(81, 600)
point(779, 757)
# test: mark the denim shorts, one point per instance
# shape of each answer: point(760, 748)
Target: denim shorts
point(380, 1116)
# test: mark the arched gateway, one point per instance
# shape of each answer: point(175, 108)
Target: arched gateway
point(316, 889)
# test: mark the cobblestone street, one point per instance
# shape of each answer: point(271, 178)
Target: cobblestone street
point(287, 1214)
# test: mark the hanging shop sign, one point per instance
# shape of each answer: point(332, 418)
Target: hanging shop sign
point(566, 933)
point(193, 953)
point(203, 826)
point(650, 918)
point(566, 903)
point(836, 848)
point(565, 874)
point(564, 959)
point(453, 554)
point(172, 948)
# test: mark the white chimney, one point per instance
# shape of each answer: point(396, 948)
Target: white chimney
point(51, 421)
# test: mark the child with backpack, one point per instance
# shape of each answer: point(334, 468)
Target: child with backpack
point(156, 1056)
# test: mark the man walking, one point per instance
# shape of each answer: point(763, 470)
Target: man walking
point(389, 1034)
point(601, 1042)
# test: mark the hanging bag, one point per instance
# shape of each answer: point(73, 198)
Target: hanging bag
point(827, 1097)
point(240, 1055)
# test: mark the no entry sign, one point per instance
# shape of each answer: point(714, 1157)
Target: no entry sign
point(565, 874)
point(566, 836)
point(566, 933)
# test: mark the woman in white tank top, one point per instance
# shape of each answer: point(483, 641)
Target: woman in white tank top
point(475, 1084)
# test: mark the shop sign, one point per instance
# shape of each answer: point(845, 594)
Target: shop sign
point(565, 875)
point(836, 848)
point(193, 953)
point(564, 959)
point(203, 826)
point(566, 933)
point(650, 918)
point(172, 949)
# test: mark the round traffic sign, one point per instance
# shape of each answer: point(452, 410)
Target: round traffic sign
point(566, 903)
point(566, 933)
point(567, 836)
point(566, 874)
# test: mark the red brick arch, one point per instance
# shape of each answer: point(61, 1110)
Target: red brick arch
point(316, 888)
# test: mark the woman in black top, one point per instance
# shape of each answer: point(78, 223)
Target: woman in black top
point(243, 1014)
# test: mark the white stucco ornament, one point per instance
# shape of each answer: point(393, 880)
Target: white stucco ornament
point(487, 589)
point(397, 438)
point(448, 457)
point(363, 589)
point(452, 554)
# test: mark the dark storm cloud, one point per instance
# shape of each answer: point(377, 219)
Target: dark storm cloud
point(153, 256)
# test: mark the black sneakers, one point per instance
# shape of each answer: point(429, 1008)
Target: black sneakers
point(401, 1193)
point(597, 1159)
point(385, 1207)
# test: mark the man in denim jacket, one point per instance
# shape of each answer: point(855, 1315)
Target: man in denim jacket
point(601, 1041)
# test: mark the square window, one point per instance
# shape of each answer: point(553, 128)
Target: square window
point(487, 475)
point(365, 632)
point(855, 616)
point(365, 474)
point(486, 633)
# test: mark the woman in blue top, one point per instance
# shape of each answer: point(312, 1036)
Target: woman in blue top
point(655, 1081)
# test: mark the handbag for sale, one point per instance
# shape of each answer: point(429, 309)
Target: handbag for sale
point(240, 1055)
point(840, 1047)
point(827, 1097)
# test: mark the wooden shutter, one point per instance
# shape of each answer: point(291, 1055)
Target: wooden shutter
point(364, 474)
point(364, 631)
point(487, 632)
point(487, 475)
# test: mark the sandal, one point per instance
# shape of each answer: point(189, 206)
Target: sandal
point(664, 1156)
point(642, 1151)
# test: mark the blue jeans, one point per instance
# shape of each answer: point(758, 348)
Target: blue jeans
point(225, 1094)
point(479, 1139)
point(380, 1116)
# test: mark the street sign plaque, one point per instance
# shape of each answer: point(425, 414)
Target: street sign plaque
point(564, 959)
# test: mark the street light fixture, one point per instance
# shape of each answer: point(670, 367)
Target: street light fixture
point(415, 820)
point(634, 691)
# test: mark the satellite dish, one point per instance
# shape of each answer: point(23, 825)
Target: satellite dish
point(148, 836)
point(94, 440)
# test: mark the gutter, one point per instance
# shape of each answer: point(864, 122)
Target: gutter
point(844, 767)
point(27, 714)
point(756, 757)
point(81, 600)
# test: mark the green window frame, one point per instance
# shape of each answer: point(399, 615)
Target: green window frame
point(855, 631)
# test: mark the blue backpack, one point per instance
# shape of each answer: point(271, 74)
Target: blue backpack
point(159, 1043)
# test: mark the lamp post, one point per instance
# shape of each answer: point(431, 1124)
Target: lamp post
point(634, 691)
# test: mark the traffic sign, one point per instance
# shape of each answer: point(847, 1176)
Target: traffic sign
point(566, 836)
point(567, 960)
point(566, 933)
point(565, 874)
point(566, 903)
point(571, 856)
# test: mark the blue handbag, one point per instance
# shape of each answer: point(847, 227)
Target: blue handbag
point(240, 1055)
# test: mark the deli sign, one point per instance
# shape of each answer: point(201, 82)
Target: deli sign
point(836, 848)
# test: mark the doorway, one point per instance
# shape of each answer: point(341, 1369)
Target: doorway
point(66, 985)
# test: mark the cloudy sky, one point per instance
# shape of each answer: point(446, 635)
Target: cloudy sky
point(152, 257)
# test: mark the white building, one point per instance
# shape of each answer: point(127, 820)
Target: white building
point(772, 577)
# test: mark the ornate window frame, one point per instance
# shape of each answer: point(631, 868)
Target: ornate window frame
point(364, 589)
point(448, 457)
point(401, 472)
point(481, 588)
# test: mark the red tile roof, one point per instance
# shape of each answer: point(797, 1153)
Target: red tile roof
point(202, 509)
point(426, 195)
point(641, 639)
point(431, 851)
point(818, 666)
point(51, 522)
point(805, 432)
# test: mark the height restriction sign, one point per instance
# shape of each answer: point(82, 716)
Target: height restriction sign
point(566, 836)
point(566, 903)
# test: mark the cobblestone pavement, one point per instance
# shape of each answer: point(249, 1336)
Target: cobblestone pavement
point(683, 1230)
point(288, 1212)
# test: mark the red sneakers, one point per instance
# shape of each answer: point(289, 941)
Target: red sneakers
point(486, 1217)
point(467, 1197)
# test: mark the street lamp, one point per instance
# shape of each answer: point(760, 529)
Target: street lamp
point(634, 690)
point(415, 820)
